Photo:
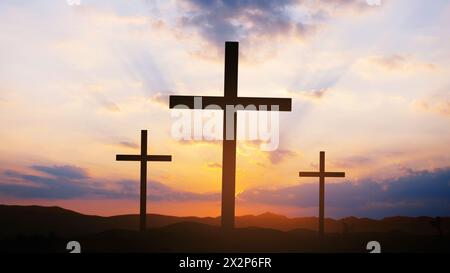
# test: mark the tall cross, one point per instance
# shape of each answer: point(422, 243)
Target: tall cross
point(322, 174)
point(143, 158)
point(230, 98)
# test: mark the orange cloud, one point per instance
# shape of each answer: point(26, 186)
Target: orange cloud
point(214, 165)
point(440, 107)
point(372, 66)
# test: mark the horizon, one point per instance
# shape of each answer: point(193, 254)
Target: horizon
point(237, 216)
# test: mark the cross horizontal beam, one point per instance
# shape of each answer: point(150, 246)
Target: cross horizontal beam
point(147, 158)
point(284, 104)
point(319, 174)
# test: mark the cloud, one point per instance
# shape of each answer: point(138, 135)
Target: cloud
point(417, 193)
point(108, 104)
point(437, 106)
point(395, 63)
point(354, 161)
point(390, 62)
point(313, 95)
point(201, 142)
point(279, 155)
point(33, 186)
point(143, 67)
point(65, 171)
point(97, 92)
point(243, 20)
point(161, 98)
point(317, 94)
point(316, 83)
point(214, 165)
point(129, 144)
point(68, 182)
point(161, 192)
point(217, 21)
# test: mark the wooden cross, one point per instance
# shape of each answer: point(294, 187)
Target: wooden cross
point(143, 158)
point(322, 174)
point(230, 98)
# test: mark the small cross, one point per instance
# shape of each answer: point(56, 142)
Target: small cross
point(322, 174)
point(143, 158)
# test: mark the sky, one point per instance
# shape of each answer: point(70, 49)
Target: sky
point(369, 82)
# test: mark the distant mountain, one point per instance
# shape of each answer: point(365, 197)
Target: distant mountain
point(49, 229)
point(37, 220)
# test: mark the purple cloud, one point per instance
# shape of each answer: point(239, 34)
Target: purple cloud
point(70, 182)
point(66, 171)
point(416, 194)
point(217, 21)
point(279, 155)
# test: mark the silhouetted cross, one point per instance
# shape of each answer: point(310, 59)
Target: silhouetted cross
point(143, 158)
point(230, 98)
point(322, 174)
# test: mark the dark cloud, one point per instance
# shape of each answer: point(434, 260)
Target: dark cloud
point(33, 186)
point(72, 182)
point(218, 21)
point(418, 193)
point(66, 171)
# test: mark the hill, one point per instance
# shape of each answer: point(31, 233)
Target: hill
point(35, 220)
point(48, 229)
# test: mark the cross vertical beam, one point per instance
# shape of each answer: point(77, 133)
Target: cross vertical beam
point(228, 177)
point(229, 145)
point(143, 193)
point(322, 194)
point(231, 69)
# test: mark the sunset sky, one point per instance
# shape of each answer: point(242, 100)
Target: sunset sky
point(370, 85)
